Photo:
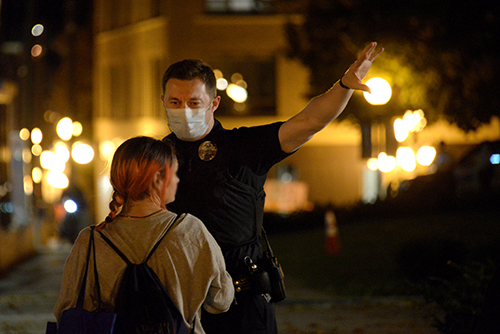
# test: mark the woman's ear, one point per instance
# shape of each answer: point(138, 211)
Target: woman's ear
point(158, 182)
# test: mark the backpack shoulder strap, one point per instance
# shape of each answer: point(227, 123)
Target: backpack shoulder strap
point(177, 220)
point(115, 248)
point(112, 245)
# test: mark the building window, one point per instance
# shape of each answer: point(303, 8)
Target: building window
point(247, 86)
point(240, 6)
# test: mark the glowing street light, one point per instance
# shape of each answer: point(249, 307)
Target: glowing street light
point(381, 91)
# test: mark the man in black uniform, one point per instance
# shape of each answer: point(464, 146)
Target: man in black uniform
point(222, 172)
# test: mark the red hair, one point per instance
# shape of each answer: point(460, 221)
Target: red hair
point(133, 169)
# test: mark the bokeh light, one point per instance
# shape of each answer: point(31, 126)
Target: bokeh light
point(77, 129)
point(57, 179)
point(218, 74)
point(381, 91)
point(426, 155)
point(36, 136)
point(24, 134)
point(37, 174)
point(222, 84)
point(27, 155)
point(405, 158)
point(36, 150)
point(62, 152)
point(400, 130)
point(82, 153)
point(495, 159)
point(64, 128)
point(50, 161)
point(36, 50)
point(372, 164)
point(28, 184)
point(386, 163)
point(37, 30)
point(237, 93)
point(70, 206)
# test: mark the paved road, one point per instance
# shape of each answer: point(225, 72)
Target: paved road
point(28, 295)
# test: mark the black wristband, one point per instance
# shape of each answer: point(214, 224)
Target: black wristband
point(342, 84)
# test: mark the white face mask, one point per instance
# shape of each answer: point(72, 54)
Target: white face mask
point(187, 124)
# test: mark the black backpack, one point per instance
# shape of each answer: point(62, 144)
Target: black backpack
point(143, 306)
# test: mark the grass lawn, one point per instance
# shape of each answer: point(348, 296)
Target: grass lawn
point(378, 256)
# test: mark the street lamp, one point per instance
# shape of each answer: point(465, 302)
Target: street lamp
point(381, 93)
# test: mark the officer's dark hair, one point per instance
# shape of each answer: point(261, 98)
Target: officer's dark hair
point(190, 69)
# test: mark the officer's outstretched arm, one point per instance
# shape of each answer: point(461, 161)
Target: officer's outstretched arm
point(324, 108)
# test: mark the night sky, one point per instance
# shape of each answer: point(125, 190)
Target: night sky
point(18, 16)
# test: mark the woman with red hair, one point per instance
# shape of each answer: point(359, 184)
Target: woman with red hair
point(188, 260)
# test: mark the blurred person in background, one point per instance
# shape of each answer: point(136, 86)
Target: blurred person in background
point(74, 214)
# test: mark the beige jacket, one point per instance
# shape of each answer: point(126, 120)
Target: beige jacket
point(188, 262)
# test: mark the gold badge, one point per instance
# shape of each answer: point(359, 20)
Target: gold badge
point(207, 150)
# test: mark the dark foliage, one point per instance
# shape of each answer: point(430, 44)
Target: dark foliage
point(461, 298)
point(440, 55)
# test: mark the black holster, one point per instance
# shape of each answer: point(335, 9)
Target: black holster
point(271, 265)
point(264, 277)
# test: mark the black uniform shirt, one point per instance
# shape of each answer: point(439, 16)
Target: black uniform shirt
point(221, 182)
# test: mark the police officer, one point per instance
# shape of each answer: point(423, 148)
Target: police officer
point(222, 172)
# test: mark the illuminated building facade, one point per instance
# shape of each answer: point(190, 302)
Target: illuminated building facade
point(245, 42)
point(134, 43)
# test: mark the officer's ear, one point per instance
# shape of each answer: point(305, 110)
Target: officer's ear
point(216, 103)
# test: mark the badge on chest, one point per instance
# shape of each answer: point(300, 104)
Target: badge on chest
point(207, 150)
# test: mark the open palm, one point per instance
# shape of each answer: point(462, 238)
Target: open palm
point(352, 78)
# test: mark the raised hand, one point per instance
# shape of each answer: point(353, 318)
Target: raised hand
point(357, 71)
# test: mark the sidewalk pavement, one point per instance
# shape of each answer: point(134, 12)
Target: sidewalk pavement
point(310, 312)
point(29, 292)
